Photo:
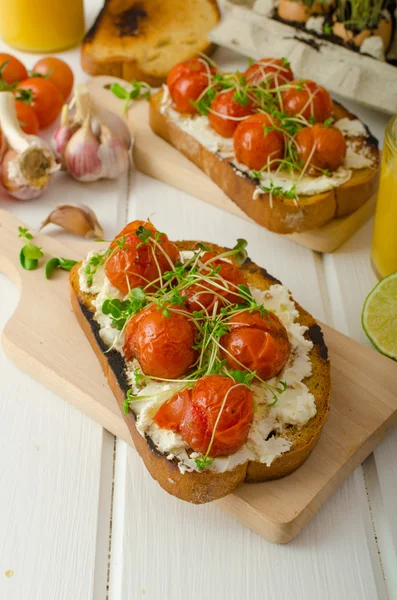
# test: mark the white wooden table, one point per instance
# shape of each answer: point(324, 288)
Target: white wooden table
point(81, 519)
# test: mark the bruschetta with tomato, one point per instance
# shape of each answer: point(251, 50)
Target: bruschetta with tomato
point(221, 376)
point(287, 154)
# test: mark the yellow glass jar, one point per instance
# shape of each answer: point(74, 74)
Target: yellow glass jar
point(42, 25)
point(384, 241)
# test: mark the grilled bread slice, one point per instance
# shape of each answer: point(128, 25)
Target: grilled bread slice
point(278, 214)
point(142, 40)
point(201, 487)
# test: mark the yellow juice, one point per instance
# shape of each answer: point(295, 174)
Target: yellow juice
point(42, 25)
point(384, 241)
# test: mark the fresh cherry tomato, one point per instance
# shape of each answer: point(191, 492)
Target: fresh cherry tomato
point(308, 99)
point(257, 143)
point(269, 72)
point(187, 89)
point(201, 413)
point(162, 344)
point(324, 148)
point(46, 100)
point(27, 118)
point(226, 113)
point(204, 295)
point(133, 263)
point(11, 69)
point(58, 72)
point(188, 67)
point(257, 343)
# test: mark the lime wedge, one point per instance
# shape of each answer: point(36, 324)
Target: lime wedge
point(379, 316)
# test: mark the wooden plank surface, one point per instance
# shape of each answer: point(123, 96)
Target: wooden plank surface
point(350, 278)
point(157, 158)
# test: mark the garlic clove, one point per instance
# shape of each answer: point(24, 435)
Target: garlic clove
point(113, 154)
point(115, 123)
point(80, 220)
point(63, 133)
point(81, 154)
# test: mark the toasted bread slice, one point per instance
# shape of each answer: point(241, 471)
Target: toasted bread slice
point(279, 214)
point(142, 40)
point(206, 486)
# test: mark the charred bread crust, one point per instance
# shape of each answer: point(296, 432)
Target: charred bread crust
point(281, 215)
point(196, 487)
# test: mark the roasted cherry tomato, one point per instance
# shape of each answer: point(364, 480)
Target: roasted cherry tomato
point(226, 113)
point(11, 69)
point(204, 295)
point(193, 414)
point(257, 343)
point(269, 72)
point(27, 118)
point(188, 67)
point(308, 99)
point(324, 148)
point(186, 90)
point(58, 72)
point(134, 263)
point(257, 143)
point(198, 422)
point(46, 99)
point(170, 413)
point(162, 344)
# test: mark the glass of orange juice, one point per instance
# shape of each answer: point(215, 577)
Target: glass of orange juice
point(42, 25)
point(384, 241)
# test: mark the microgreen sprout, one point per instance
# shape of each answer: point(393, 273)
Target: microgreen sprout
point(139, 90)
point(30, 253)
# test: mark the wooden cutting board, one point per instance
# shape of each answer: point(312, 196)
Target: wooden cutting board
point(157, 158)
point(43, 338)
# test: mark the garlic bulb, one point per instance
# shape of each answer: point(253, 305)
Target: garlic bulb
point(29, 161)
point(94, 143)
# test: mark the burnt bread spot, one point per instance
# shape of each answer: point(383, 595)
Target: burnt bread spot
point(317, 337)
point(253, 268)
point(129, 21)
point(90, 35)
point(114, 358)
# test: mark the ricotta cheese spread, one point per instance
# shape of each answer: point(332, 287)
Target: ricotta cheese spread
point(266, 440)
point(199, 128)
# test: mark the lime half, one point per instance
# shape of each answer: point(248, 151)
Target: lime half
point(379, 316)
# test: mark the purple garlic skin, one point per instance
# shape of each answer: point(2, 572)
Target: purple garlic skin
point(81, 155)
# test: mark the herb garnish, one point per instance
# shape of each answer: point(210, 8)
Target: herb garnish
point(139, 90)
point(30, 253)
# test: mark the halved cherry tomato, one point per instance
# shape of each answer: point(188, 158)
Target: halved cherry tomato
point(257, 343)
point(257, 143)
point(204, 295)
point(269, 72)
point(308, 99)
point(162, 344)
point(27, 118)
point(133, 263)
point(46, 100)
point(324, 146)
point(201, 413)
point(226, 113)
point(11, 69)
point(188, 67)
point(187, 89)
point(58, 72)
